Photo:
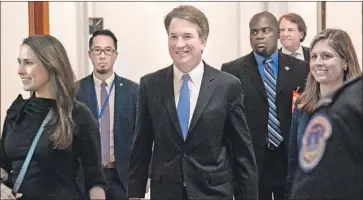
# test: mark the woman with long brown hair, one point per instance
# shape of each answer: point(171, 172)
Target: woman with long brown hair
point(333, 61)
point(70, 137)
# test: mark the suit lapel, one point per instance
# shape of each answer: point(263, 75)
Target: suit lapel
point(92, 98)
point(168, 92)
point(283, 73)
point(119, 90)
point(251, 68)
point(205, 93)
point(306, 52)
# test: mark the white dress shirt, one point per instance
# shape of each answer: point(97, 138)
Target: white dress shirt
point(299, 53)
point(111, 102)
point(194, 84)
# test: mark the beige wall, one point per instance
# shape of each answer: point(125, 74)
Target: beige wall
point(142, 37)
point(14, 28)
point(347, 16)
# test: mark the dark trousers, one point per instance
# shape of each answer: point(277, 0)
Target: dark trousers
point(273, 174)
point(115, 189)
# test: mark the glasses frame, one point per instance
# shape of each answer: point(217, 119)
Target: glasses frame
point(102, 50)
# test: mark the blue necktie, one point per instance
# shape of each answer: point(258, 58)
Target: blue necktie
point(183, 107)
point(273, 127)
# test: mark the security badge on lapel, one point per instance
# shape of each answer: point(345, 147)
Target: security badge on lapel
point(314, 141)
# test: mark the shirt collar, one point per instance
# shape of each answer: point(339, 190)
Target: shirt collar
point(260, 59)
point(299, 51)
point(98, 81)
point(195, 74)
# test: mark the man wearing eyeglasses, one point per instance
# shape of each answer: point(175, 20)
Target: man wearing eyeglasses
point(112, 100)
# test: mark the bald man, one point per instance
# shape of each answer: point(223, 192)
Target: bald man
point(268, 79)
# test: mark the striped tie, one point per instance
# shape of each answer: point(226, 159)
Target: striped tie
point(274, 132)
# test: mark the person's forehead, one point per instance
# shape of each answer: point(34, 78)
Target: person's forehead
point(102, 39)
point(262, 22)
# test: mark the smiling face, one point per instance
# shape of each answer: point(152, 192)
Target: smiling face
point(263, 36)
point(326, 66)
point(185, 44)
point(34, 76)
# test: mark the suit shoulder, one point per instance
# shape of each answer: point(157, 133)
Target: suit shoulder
point(84, 79)
point(129, 82)
point(349, 90)
point(229, 78)
point(153, 76)
point(234, 63)
point(81, 110)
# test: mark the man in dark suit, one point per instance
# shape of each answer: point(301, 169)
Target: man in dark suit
point(268, 79)
point(292, 31)
point(194, 115)
point(112, 100)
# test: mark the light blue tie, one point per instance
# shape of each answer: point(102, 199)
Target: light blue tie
point(183, 107)
point(273, 127)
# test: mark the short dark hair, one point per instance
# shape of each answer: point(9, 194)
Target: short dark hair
point(191, 14)
point(105, 32)
point(267, 15)
point(298, 20)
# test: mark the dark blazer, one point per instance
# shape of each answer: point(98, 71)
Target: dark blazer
point(201, 164)
point(306, 52)
point(300, 120)
point(291, 74)
point(336, 172)
point(124, 117)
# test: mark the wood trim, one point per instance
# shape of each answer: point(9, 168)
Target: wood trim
point(323, 15)
point(38, 17)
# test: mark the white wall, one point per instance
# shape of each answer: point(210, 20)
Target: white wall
point(142, 37)
point(14, 28)
point(68, 22)
point(349, 20)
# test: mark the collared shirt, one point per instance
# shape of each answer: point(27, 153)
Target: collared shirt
point(195, 82)
point(299, 53)
point(111, 102)
point(261, 66)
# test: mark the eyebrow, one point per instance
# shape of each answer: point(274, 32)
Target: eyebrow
point(104, 47)
point(26, 59)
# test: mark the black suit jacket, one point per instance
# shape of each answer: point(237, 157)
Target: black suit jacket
point(306, 52)
point(292, 73)
point(124, 117)
point(202, 164)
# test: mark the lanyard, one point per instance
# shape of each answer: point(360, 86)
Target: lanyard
point(29, 156)
point(106, 102)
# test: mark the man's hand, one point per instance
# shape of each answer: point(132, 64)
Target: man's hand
point(6, 192)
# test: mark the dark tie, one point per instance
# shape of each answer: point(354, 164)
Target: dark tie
point(294, 54)
point(105, 126)
point(183, 107)
point(274, 132)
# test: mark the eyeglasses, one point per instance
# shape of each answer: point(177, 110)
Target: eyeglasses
point(107, 51)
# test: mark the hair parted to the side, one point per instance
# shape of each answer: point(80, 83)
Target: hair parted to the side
point(191, 14)
point(298, 20)
point(54, 58)
point(341, 42)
